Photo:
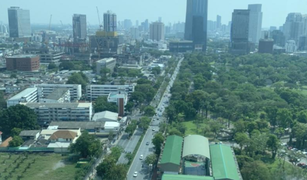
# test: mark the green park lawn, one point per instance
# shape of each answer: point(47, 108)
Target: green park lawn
point(193, 128)
point(35, 166)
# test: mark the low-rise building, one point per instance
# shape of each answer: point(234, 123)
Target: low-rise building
point(47, 112)
point(105, 116)
point(59, 95)
point(51, 57)
point(26, 96)
point(45, 89)
point(60, 140)
point(29, 134)
point(94, 91)
point(108, 63)
point(25, 62)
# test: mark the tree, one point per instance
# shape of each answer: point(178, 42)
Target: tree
point(87, 146)
point(78, 78)
point(118, 172)
point(52, 66)
point(129, 156)
point(15, 131)
point(102, 104)
point(255, 170)
point(18, 116)
point(149, 111)
point(156, 70)
point(131, 127)
point(111, 136)
point(2, 101)
point(157, 142)
point(144, 123)
point(242, 139)
point(284, 117)
point(273, 144)
point(103, 169)
point(16, 141)
point(151, 159)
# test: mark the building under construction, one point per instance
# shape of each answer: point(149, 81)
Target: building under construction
point(104, 42)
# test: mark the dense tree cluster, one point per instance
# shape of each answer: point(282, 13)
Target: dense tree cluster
point(18, 116)
point(261, 95)
point(78, 78)
point(102, 104)
point(87, 146)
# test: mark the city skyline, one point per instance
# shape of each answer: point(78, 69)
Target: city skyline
point(144, 9)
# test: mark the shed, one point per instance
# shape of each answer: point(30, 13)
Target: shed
point(29, 134)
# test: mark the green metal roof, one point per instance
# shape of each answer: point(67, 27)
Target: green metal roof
point(196, 144)
point(185, 177)
point(223, 161)
point(172, 150)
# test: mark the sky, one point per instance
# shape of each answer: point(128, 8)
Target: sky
point(274, 11)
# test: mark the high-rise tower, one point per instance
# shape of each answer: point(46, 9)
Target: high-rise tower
point(79, 27)
point(255, 22)
point(19, 22)
point(109, 22)
point(196, 23)
point(240, 32)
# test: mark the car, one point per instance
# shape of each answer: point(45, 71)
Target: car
point(284, 144)
point(153, 129)
point(141, 157)
point(135, 174)
point(147, 143)
point(301, 164)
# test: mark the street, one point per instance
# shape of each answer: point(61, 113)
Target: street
point(138, 165)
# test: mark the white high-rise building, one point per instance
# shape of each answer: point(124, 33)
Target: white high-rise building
point(19, 22)
point(255, 23)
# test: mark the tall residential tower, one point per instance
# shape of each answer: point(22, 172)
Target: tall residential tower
point(157, 31)
point(79, 27)
point(109, 22)
point(196, 23)
point(19, 22)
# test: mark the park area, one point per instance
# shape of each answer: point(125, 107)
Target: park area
point(35, 166)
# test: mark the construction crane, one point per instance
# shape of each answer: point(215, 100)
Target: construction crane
point(100, 26)
point(50, 22)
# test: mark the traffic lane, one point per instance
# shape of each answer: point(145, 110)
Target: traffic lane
point(145, 150)
point(137, 163)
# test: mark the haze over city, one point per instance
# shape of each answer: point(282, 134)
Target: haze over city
point(171, 11)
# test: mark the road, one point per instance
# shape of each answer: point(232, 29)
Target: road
point(143, 172)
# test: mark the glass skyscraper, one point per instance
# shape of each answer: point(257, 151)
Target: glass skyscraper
point(196, 23)
point(19, 22)
point(109, 22)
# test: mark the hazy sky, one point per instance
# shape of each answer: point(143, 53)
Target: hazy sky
point(274, 11)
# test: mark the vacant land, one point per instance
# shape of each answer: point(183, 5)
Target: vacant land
point(35, 166)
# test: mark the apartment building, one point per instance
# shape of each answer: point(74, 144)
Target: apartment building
point(94, 91)
point(47, 112)
point(45, 89)
point(25, 96)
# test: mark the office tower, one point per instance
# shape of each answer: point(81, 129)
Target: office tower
point(134, 33)
point(157, 31)
point(109, 22)
point(278, 37)
point(127, 24)
point(218, 21)
point(240, 32)
point(19, 22)
point(293, 27)
point(196, 22)
point(266, 46)
point(79, 27)
point(255, 22)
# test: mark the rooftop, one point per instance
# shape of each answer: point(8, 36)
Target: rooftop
point(223, 161)
point(184, 177)
point(59, 105)
point(196, 145)
point(57, 93)
point(84, 125)
point(106, 60)
point(172, 150)
point(29, 132)
point(105, 115)
point(24, 56)
point(64, 135)
point(23, 93)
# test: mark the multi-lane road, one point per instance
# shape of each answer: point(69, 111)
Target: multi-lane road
point(146, 148)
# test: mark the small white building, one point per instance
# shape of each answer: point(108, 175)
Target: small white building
point(111, 126)
point(60, 140)
point(108, 63)
point(105, 116)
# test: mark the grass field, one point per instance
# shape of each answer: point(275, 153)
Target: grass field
point(193, 128)
point(36, 166)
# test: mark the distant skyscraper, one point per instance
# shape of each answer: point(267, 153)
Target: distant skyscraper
point(294, 26)
point(218, 21)
point(255, 22)
point(19, 22)
point(196, 22)
point(157, 31)
point(127, 24)
point(109, 22)
point(240, 32)
point(79, 27)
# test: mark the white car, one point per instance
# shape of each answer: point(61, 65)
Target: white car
point(135, 174)
point(141, 157)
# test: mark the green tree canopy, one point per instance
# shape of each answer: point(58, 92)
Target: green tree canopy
point(87, 146)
